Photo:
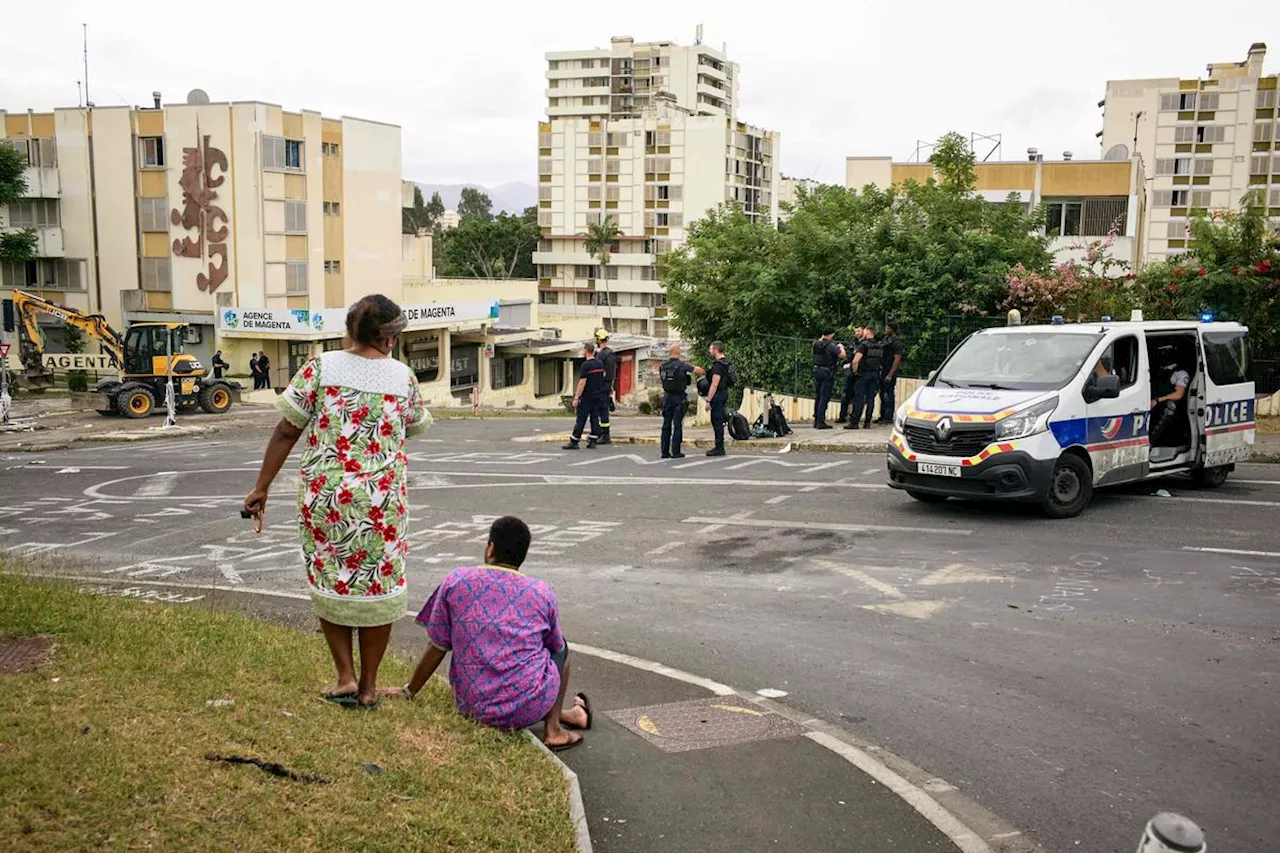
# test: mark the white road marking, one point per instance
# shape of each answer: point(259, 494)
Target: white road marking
point(960, 573)
point(815, 488)
point(1222, 501)
point(639, 460)
point(710, 461)
point(817, 525)
point(1233, 551)
point(872, 471)
point(1233, 481)
point(918, 799)
point(779, 499)
point(862, 577)
point(665, 547)
point(910, 609)
point(159, 484)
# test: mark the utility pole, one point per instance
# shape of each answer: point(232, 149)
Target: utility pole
point(1136, 118)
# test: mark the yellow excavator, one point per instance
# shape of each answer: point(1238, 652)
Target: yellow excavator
point(146, 356)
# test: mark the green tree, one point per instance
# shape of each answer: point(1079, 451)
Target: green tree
point(1231, 270)
point(73, 340)
point(600, 237)
point(434, 209)
point(954, 161)
point(475, 204)
point(498, 248)
point(20, 245)
point(422, 216)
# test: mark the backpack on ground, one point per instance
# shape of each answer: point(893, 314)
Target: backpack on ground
point(739, 429)
point(776, 421)
point(760, 429)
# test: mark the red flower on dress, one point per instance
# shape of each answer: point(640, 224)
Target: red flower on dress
point(352, 466)
point(308, 371)
point(320, 536)
point(346, 496)
point(312, 441)
point(386, 482)
point(318, 563)
point(390, 533)
point(375, 588)
point(311, 579)
point(352, 562)
point(402, 458)
point(373, 448)
point(341, 588)
point(375, 513)
point(333, 517)
point(323, 423)
point(400, 582)
point(400, 510)
point(386, 429)
point(378, 527)
point(331, 391)
point(317, 484)
point(387, 570)
point(388, 398)
point(343, 443)
point(306, 512)
point(361, 555)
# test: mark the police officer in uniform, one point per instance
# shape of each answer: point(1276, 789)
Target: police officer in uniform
point(826, 355)
point(846, 393)
point(865, 367)
point(674, 374)
point(894, 351)
point(588, 398)
point(609, 359)
point(1168, 390)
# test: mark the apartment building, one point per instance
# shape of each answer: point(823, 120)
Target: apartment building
point(1084, 200)
point(622, 82)
point(1207, 141)
point(653, 176)
point(181, 211)
point(789, 194)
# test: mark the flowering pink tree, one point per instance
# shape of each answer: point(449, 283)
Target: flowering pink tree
point(1096, 286)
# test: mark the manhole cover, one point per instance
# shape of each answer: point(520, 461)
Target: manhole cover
point(19, 654)
point(704, 723)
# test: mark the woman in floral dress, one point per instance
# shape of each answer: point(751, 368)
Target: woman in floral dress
point(361, 406)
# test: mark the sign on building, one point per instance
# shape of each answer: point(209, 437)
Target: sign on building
point(331, 322)
point(72, 361)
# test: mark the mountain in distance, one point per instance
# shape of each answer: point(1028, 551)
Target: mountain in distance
point(511, 197)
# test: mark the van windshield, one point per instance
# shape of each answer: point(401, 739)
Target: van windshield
point(1017, 361)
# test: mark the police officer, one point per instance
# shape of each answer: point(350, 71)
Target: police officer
point(846, 393)
point(588, 398)
point(718, 395)
point(674, 374)
point(609, 359)
point(865, 367)
point(894, 351)
point(1169, 389)
point(826, 355)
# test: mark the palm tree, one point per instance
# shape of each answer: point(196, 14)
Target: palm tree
point(600, 237)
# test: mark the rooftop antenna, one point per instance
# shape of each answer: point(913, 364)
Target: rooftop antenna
point(84, 28)
point(80, 93)
point(697, 39)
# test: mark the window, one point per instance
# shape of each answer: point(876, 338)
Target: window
point(612, 193)
point(593, 192)
point(544, 193)
point(1262, 132)
point(1184, 133)
point(653, 300)
point(544, 139)
point(152, 214)
point(655, 165)
point(1103, 214)
point(295, 217)
point(1211, 133)
point(464, 366)
point(329, 149)
point(650, 138)
point(506, 372)
point(1179, 101)
point(1208, 102)
point(548, 297)
point(1121, 359)
point(1275, 198)
point(1062, 218)
point(1201, 198)
point(650, 274)
point(156, 274)
point(333, 267)
point(593, 165)
point(612, 166)
point(553, 65)
point(280, 154)
point(1228, 357)
point(34, 213)
point(1266, 99)
point(295, 277)
point(1259, 164)
point(332, 208)
point(1174, 166)
point(39, 152)
point(151, 152)
point(1203, 166)
point(584, 271)
point(616, 140)
point(548, 379)
point(1177, 229)
point(544, 219)
point(595, 139)
point(43, 273)
point(423, 355)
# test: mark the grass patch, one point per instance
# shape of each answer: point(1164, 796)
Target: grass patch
point(111, 755)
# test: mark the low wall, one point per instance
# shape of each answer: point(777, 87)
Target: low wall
point(1269, 407)
point(800, 409)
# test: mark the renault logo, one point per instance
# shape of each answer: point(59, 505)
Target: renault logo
point(943, 428)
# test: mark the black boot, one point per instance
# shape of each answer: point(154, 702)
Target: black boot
point(592, 442)
point(604, 436)
point(572, 445)
point(853, 424)
point(822, 425)
point(718, 450)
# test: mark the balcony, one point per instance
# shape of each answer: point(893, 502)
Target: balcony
point(42, 182)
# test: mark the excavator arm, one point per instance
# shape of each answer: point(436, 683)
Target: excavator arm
point(29, 307)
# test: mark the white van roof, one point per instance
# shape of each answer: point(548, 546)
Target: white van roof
point(1096, 328)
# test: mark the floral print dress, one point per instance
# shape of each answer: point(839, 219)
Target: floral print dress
point(353, 510)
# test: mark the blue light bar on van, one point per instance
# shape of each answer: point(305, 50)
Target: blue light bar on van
point(1056, 320)
point(1206, 317)
point(1106, 318)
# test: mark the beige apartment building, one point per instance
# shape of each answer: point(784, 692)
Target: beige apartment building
point(654, 166)
point(1206, 142)
point(624, 80)
point(1084, 200)
point(181, 211)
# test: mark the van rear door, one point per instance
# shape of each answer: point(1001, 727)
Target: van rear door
point(1227, 423)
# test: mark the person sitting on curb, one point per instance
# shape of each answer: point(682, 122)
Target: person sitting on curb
point(510, 665)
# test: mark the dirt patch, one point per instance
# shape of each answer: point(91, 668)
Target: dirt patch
point(23, 654)
point(433, 748)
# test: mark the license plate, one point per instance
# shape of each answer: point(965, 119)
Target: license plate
point(939, 470)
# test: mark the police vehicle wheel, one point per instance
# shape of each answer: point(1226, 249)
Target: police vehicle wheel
point(1070, 488)
point(1210, 478)
point(137, 403)
point(926, 497)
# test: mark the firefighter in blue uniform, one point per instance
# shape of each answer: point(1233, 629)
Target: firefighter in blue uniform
point(674, 373)
point(588, 398)
point(609, 359)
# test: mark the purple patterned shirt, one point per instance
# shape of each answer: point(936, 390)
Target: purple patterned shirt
point(502, 628)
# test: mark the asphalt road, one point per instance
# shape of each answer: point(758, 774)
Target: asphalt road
point(1075, 677)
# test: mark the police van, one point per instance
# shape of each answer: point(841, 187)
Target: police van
point(1049, 413)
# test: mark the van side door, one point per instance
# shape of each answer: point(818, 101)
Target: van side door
point(1226, 422)
point(1117, 427)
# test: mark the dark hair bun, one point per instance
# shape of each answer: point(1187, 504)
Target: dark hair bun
point(367, 316)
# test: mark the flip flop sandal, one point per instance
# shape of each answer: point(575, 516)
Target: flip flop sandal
point(586, 706)
point(339, 698)
point(357, 705)
point(564, 747)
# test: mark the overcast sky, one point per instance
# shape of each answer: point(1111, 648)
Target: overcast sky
point(465, 79)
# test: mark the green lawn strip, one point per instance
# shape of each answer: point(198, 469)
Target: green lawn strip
point(112, 755)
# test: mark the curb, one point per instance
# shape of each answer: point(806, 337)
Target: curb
point(707, 443)
point(577, 812)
